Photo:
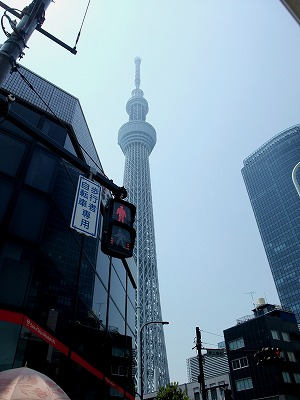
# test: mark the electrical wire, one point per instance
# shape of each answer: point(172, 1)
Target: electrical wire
point(7, 34)
point(211, 344)
point(216, 334)
point(13, 25)
point(79, 33)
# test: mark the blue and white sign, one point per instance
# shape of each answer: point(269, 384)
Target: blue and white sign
point(86, 210)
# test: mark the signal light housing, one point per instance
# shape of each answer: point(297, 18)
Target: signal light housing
point(268, 355)
point(118, 234)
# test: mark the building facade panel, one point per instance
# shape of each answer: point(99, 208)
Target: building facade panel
point(64, 305)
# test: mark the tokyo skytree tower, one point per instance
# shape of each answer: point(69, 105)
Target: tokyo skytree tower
point(137, 139)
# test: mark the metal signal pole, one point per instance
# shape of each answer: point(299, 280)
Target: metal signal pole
point(32, 17)
point(200, 360)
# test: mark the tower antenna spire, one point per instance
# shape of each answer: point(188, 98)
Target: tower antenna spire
point(137, 139)
point(137, 80)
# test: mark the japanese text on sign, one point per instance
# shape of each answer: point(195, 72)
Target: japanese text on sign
point(86, 208)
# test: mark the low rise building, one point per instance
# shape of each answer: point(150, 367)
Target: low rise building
point(277, 379)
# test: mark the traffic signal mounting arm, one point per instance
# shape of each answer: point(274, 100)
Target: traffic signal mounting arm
point(35, 133)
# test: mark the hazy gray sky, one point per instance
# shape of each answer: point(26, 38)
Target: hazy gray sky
point(221, 77)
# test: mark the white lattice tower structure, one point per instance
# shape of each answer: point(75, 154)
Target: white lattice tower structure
point(137, 139)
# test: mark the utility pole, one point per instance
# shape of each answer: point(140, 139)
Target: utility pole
point(32, 17)
point(201, 379)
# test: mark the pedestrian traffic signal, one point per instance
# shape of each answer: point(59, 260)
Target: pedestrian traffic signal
point(118, 234)
point(268, 355)
point(276, 351)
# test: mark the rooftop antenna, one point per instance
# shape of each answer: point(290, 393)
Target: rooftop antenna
point(251, 294)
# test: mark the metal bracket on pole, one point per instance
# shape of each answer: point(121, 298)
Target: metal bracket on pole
point(294, 178)
point(39, 29)
point(92, 172)
point(13, 47)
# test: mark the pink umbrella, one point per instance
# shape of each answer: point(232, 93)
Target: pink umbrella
point(26, 383)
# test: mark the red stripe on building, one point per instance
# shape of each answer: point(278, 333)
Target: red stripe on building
point(114, 385)
point(79, 360)
point(11, 316)
point(21, 319)
point(129, 396)
point(40, 332)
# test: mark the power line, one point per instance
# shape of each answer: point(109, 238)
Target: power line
point(210, 333)
point(78, 36)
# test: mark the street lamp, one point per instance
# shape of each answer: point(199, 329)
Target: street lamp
point(141, 351)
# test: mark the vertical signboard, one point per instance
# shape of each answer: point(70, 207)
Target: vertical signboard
point(86, 210)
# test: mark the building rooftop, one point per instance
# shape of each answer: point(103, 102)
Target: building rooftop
point(263, 309)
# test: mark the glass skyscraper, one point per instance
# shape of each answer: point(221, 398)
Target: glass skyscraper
point(276, 205)
point(137, 139)
point(66, 309)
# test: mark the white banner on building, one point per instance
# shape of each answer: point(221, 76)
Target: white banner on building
point(86, 210)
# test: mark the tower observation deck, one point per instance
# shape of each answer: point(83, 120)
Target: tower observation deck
point(137, 139)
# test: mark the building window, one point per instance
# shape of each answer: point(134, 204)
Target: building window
point(291, 356)
point(275, 335)
point(114, 393)
point(11, 154)
point(29, 225)
point(244, 384)
point(196, 394)
point(286, 377)
point(213, 393)
point(40, 173)
point(236, 344)
point(240, 363)
point(120, 352)
point(297, 377)
point(119, 370)
point(286, 337)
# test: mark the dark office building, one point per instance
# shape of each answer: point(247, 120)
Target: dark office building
point(66, 309)
point(269, 326)
point(276, 205)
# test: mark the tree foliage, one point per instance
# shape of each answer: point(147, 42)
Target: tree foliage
point(171, 392)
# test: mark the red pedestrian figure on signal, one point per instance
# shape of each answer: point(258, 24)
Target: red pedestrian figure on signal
point(121, 213)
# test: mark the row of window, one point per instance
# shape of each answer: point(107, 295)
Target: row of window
point(245, 384)
point(239, 343)
point(240, 363)
point(276, 336)
point(287, 377)
point(236, 344)
point(243, 361)
point(119, 370)
point(120, 352)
